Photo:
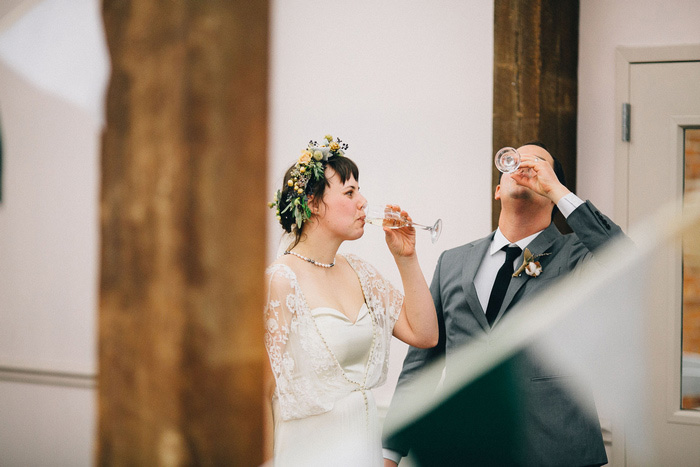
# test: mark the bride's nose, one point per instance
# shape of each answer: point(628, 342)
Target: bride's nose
point(362, 204)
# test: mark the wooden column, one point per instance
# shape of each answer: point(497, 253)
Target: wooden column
point(536, 80)
point(183, 233)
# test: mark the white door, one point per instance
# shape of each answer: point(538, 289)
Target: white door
point(664, 98)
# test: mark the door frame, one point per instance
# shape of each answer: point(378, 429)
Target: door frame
point(625, 57)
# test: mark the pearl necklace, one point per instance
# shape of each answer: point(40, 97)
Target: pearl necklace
point(314, 262)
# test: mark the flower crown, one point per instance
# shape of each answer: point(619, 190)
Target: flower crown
point(309, 166)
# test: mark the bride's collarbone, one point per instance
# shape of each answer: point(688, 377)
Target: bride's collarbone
point(337, 287)
point(341, 293)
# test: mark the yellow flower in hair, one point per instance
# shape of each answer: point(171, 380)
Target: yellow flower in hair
point(308, 169)
point(305, 157)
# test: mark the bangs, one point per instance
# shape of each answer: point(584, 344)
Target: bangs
point(344, 167)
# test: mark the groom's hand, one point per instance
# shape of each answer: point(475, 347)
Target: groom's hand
point(390, 463)
point(538, 175)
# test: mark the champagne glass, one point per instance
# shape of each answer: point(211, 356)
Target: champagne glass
point(383, 216)
point(507, 160)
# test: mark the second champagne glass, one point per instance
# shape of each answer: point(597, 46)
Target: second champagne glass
point(383, 216)
point(507, 160)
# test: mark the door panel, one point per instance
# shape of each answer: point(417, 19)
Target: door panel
point(665, 102)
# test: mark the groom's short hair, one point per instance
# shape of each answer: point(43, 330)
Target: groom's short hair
point(558, 168)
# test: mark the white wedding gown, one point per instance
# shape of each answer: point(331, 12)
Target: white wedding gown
point(349, 434)
point(325, 367)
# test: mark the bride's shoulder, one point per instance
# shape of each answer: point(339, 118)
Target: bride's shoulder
point(353, 259)
point(280, 268)
point(358, 263)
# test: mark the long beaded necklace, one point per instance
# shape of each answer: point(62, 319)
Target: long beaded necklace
point(312, 261)
point(361, 386)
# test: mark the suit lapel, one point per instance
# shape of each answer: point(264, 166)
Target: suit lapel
point(473, 256)
point(538, 246)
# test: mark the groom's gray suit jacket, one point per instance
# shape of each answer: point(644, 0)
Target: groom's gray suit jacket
point(557, 430)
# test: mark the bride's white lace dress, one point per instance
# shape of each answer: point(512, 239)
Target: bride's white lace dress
point(325, 367)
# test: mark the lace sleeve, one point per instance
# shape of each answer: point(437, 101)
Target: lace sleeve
point(278, 317)
point(307, 379)
point(379, 292)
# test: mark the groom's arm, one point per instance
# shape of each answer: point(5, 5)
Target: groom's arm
point(416, 360)
point(593, 230)
point(591, 227)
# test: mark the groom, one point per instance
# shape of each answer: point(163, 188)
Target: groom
point(474, 288)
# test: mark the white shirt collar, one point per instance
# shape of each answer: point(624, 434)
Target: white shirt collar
point(499, 241)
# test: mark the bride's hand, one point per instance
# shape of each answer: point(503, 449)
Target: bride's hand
point(401, 242)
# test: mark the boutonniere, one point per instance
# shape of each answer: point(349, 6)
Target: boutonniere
point(530, 266)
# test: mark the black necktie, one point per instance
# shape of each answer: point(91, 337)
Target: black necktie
point(500, 285)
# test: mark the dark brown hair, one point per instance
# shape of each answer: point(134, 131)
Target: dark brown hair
point(343, 166)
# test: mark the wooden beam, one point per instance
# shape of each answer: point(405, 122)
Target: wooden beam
point(183, 233)
point(536, 80)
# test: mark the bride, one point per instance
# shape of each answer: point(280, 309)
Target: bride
point(329, 318)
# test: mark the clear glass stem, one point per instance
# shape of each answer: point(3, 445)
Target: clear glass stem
point(421, 226)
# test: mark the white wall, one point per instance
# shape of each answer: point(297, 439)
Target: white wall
point(408, 85)
point(48, 274)
point(48, 230)
point(605, 25)
point(52, 70)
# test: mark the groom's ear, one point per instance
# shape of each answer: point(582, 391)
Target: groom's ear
point(497, 194)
